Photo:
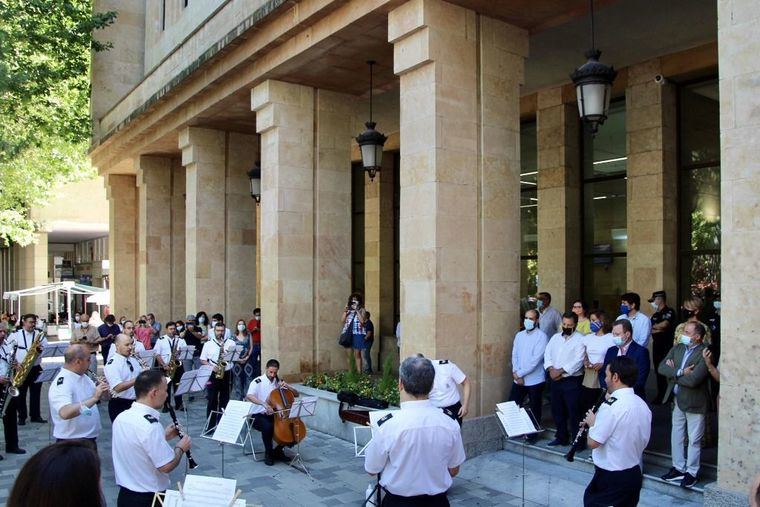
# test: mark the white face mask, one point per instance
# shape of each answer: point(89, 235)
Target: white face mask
point(85, 324)
point(213, 323)
point(202, 320)
point(257, 317)
point(180, 328)
point(77, 318)
point(241, 327)
point(654, 306)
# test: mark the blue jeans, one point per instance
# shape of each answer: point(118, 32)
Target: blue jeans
point(367, 357)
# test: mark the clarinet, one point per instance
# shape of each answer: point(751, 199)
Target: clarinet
point(190, 461)
point(570, 456)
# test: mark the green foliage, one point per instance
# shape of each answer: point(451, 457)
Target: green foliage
point(383, 389)
point(44, 103)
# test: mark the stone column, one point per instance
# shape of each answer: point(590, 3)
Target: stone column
point(203, 155)
point(154, 260)
point(285, 120)
point(33, 271)
point(178, 241)
point(652, 188)
point(332, 224)
point(459, 160)
point(738, 46)
point(378, 257)
point(559, 197)
point(242, 153)
point(121, 190)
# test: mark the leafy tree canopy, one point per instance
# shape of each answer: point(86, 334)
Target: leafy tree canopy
point(44, 103)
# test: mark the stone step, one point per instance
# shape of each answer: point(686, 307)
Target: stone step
point(583, 462)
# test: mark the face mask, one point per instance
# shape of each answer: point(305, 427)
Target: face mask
point(202, 319)
point(567, 331)
point(688, 313)
point(122, 322)
point(39, 326)
point(685, 340)
point(77, 318)
point(654, 306)
point(716, 305)
point(180, 328)
point(529, 324)
point(241, 327)
point(257, 317)
point(213, 323)
point(619, 340)
point(539, 304)
point(85, 324)
point(596, 326)
point(624, 309)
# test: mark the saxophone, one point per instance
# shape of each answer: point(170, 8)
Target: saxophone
point(171, 368)
point(220, 362)
point(9, 389)
point(26, 365)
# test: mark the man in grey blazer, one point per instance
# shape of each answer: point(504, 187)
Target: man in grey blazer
point(686, 371)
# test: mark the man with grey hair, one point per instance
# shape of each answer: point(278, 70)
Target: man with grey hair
point(418, 449)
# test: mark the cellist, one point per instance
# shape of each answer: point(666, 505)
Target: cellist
point(263, 412)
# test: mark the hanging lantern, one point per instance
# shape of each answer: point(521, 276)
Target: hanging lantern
point(371, 141)
point(254, 175)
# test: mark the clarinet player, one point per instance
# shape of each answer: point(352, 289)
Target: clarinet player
point(618, 434)
point(10, 428)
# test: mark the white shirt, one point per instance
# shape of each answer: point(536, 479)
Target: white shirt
point(447, 375)
point(210, 352)
point(6, 351)
point(550, 321)
point(164, 346)
point(642, 328)
point(261, 388)
point(597, 346)
point(117, 370)
point(566, 354)
point(139, 449)
point(414, 448)
point(528, 356)
point(24, 340)
point(622, 426)
point(68, 388)
point(139, 347)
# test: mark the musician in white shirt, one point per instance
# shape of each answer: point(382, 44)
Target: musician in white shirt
point(218, 390)
point(167, 346)
point(24, 338)
point(10, 428)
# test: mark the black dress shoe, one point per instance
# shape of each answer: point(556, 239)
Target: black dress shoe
point(22, 422)
point(40, 420)
point(557, 442)
point(1, 458)
point(15, 450)
point(268, 459)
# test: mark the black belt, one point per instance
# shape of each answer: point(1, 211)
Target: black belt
point(439, 500)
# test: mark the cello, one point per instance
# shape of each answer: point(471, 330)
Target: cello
point(287, 431)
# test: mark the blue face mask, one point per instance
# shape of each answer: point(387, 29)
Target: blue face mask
point(619, 341)
point(685, 340)
point(529, 324)
point(596, 326)
point(624, 309)
point(539, 304)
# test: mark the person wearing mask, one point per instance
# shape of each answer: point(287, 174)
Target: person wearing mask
point(90, 337)
point(528, 373)
point(122, 320)
point(663, 326)
point(580, 308)
point(78, 320)
point(254, 326)
point(121, 371)
point(108, 331)
point(416, 450)
point(596, 344)
point(549, 318)
point(202, 325)
point(242, 371)
point(622, 335)
point(24, 338)
point(369, 339)
point(193, 337)
point(630, 309)
point(686, 370)
point(563, 362)
point(167, 348)
point(353, 318)
point(691, 310)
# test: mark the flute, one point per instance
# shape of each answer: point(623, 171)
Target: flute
point(190, 461)
point(570, 456)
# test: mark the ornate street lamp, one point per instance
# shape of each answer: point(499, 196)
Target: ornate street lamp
point(371, 141)
point(593, 85)
point(255, 176)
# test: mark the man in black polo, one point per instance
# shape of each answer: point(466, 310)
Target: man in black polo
point(663, 326)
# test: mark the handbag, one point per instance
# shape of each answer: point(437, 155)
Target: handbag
point(347, 336)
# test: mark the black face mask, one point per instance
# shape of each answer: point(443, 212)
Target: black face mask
point(567, 331)
point(688, 313)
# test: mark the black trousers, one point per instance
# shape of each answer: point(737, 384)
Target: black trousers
point(566, 395)
point(10, 424)
point(618, 489)
point(118, 405)
point(34, 389)
point(439, 500)
point(453, 412)
point(589, 396)
point(265, 424)
point(218, 393)
point(661, 345)
point(128, 498)
point(535, 396)
point(174, 384)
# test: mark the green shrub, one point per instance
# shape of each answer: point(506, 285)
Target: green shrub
point(383, 389)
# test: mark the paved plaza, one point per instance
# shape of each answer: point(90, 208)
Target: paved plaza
point(337, 477)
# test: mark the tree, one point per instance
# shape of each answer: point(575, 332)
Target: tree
point(44, 103)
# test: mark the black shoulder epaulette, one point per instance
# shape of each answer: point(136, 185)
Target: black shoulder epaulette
point(150, 418)
point(384, 420)
point(258, 380)
point(60, 381)
point(611, 401)
point(110, 361)
point(443, 361)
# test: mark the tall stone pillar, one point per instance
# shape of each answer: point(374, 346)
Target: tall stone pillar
point(33, 271)
point(285, 120)
point(459, 160)
point(204, 158)
point(154, 230)
point(178, 241)
point(121, 190)
point(242, 153)
point(379, 285)
point(652, 188)
point(559, 197)
point(738, 47)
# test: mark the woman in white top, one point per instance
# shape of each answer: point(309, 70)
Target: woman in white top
point(597, 343)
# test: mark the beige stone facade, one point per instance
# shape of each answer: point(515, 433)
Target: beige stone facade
point(228, 84)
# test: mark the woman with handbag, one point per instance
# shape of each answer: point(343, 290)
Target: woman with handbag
point(353, 333)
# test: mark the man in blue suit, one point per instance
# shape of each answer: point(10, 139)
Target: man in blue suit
point(622, 334)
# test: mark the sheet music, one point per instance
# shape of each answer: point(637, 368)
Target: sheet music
point(204, 491)
point(303, 407)
point(54, 349)
point(515, 420)
point(232, 421)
